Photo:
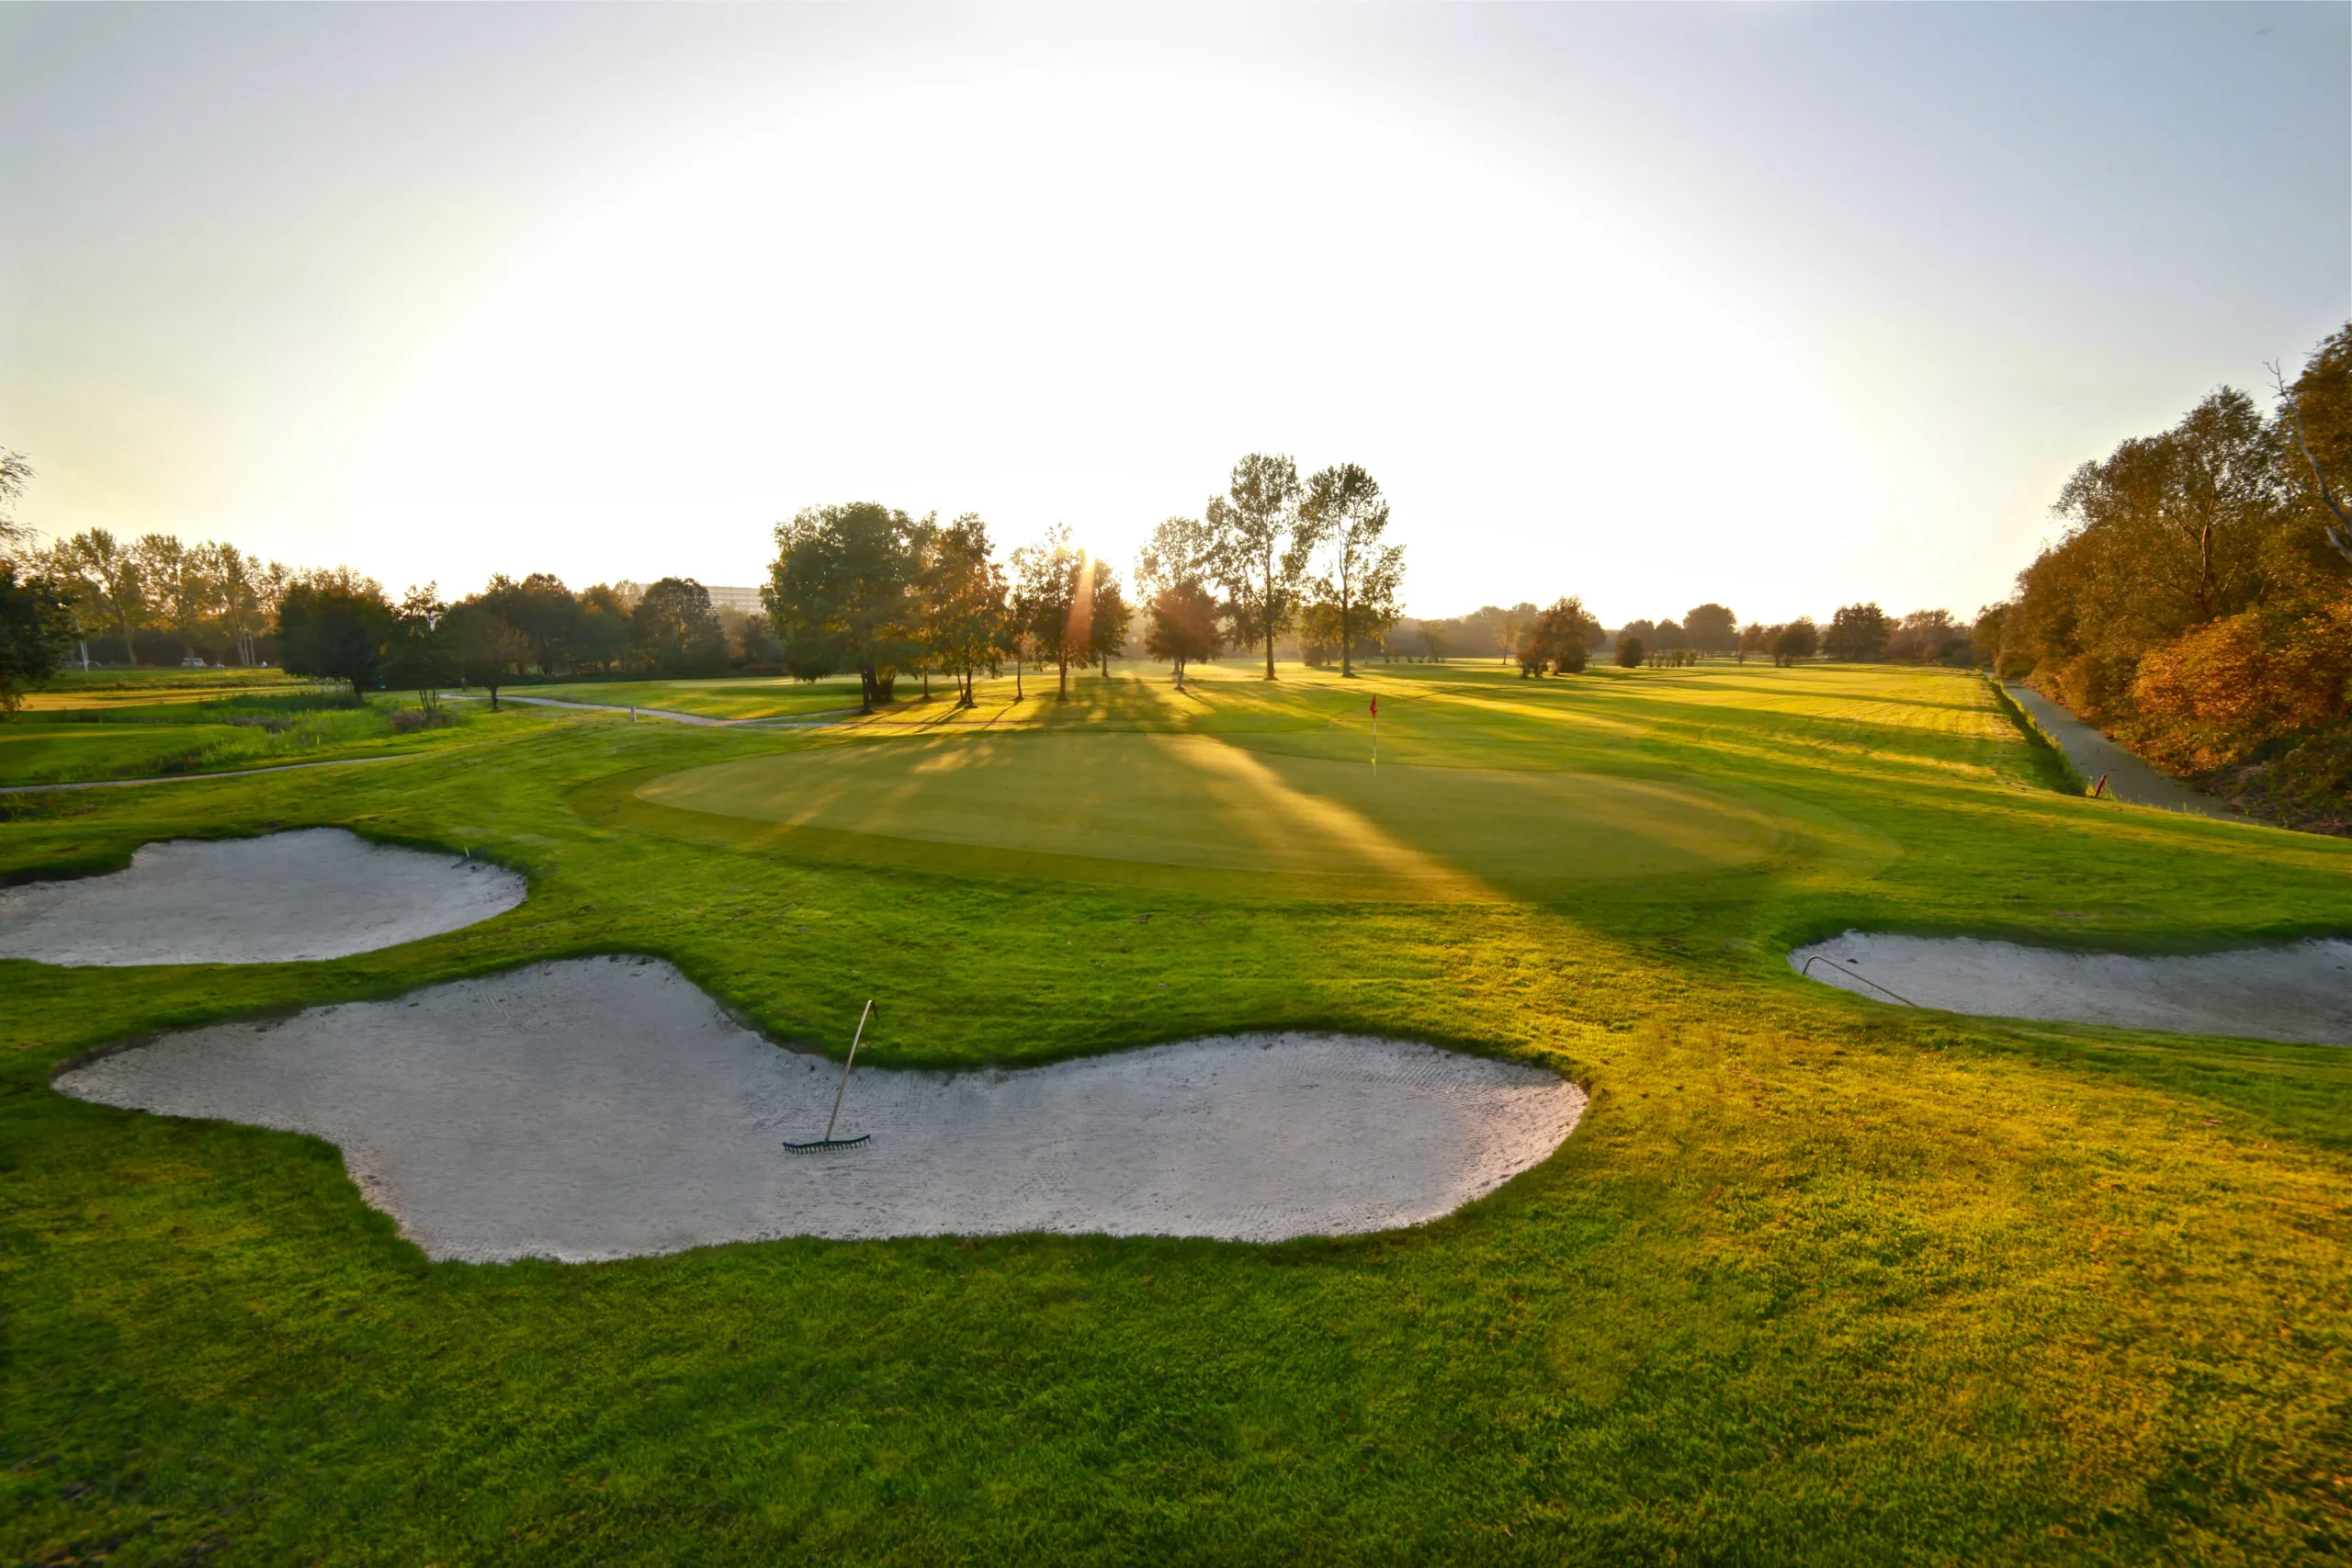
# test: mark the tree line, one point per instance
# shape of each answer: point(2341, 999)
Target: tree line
point(865, 589)
point(2199, 605)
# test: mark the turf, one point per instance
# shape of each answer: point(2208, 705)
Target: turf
point(1817, 1279)
point(746, 698)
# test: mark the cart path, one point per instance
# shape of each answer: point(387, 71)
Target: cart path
point(823, 715)
point(2130, 778)
point(200, 778)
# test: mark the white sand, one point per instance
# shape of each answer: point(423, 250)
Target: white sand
point(606, 1108)
point(315, 892)
point(2299, 991)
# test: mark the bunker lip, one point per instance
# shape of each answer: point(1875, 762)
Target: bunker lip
point(606, 1108)
point(2299, 991)
point(313, 893)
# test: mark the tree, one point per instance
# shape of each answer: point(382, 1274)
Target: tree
point(487, 648)
point(1511, 627)
point(1630, 651)
point(1344, 513)
point(1108, 615)
point(1264, 548)
point(542, 611)
point(15, 472)
point(418, 655)
point(1568, 630)
point(237, 589)
point(842, 594)
point(1184, 626)
point(963, 603)
point(331, 626)
point(36, 630)
point(1053, 597)
point(1799, 639)
point(1858, 634)
point(179, 585)
point(108, 575)
point(1174, 572)
point(1711, 628)
point(601, 636)
point(1757, 639)
point(2317, 414)
point(675, 629)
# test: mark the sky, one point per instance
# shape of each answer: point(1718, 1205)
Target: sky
point(1781, 306)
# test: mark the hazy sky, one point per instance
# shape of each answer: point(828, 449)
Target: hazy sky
point(1782, 306)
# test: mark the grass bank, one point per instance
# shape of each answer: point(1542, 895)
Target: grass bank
point(1817, 1279)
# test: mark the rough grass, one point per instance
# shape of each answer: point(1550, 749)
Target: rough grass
point(1816, 1280)
point(157, 733)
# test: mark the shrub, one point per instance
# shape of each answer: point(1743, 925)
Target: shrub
point(1630, 652)
point(2211, 698)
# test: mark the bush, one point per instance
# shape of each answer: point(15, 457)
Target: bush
point(1630, 652)
point(408, 721)
point(2211, 698)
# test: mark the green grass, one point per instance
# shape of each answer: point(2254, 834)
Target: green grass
point(150, 735)
point(744, 697)
point(1816, 1280)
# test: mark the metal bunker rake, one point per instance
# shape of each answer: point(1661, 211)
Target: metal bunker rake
point(829, 1141)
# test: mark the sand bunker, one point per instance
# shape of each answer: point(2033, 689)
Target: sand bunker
point(317, 893)
point(606, 1108)
point(2302, 991)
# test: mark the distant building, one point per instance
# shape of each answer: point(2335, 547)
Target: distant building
point(738, 600)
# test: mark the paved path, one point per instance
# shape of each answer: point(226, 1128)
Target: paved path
point(2129, 778)
point(200, 778)
point(823, 715)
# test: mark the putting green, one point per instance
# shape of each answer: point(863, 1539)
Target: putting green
point(1202, 801)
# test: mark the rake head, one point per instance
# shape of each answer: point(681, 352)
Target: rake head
point(819, 1145)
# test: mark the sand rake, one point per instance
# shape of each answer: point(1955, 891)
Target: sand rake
point(829, 1141)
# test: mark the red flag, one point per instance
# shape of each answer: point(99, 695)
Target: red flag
point(1375, 707)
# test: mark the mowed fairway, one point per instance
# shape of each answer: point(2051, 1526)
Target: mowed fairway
point(1815, 1279)
point(1198, 800)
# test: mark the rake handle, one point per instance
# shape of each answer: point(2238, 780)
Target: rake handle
point(845, 1067)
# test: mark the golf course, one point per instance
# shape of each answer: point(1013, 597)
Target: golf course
point(1814, 1278)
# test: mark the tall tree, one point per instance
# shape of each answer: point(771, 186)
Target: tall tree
point(963, 603)
point(675, 629)
point(419, 654)
point(15, 472)
point(601, 636)
point(108, 573)
point(179, 586)
point(1173, 573)
point(36, 630)
point(237, 586)
point(842, 594)
point(1711, 628)
point(1345, 512)
point(1053, 596)
point(543, 611)
point(1858, 634)
point(332, 626)
point(487, 648)
point(1264, 548)
point(1799, 639)
point(1108, 615)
